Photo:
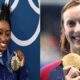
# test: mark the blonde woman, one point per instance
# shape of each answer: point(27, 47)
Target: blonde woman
point(68, 67)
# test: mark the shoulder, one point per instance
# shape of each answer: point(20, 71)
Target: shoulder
point(44, 72)
point(49, 67)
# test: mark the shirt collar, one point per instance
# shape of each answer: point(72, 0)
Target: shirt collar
point(1, 61)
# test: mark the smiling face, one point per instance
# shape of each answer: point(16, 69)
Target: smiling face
point(71, 18)
point(5, 34)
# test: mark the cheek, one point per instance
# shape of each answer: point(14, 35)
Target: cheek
point(68, 30)
point(8, 39)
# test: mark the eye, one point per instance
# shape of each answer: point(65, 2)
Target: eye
point(8, 33)
point(71, 23)
point(1, 32)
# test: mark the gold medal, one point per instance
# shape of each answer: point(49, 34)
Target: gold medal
point(15, 63)
point(71, 59)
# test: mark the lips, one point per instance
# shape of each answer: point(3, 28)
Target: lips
point(3, 45)
point(76, 39)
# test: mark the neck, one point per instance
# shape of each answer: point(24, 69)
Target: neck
point(75, 50)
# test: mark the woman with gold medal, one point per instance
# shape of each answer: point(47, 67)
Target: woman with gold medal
point(68, 68)
point(12, 66)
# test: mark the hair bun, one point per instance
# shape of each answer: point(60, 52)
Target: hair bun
point(5, 11)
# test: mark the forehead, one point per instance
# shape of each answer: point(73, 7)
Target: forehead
point(4, 25)
point(73, 12)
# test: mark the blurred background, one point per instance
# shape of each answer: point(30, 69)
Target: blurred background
point(50, 31)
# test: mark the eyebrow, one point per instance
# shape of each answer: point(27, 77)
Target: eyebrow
point(6, 30)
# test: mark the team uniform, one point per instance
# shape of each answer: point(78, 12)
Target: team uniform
point(6, 72)
point(53, 71)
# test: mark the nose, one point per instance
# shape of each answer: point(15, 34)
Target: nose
point(77, 27)
point(3, 38)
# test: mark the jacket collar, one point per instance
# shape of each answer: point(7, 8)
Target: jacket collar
point(57, 73)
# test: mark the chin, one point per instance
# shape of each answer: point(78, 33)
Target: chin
point(77, 46)
point(3, 49)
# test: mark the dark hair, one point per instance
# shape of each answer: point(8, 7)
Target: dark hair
point(5, 13)
point(65, 46)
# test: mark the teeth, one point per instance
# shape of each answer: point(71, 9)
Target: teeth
point(77, 38)
point(2, 44)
